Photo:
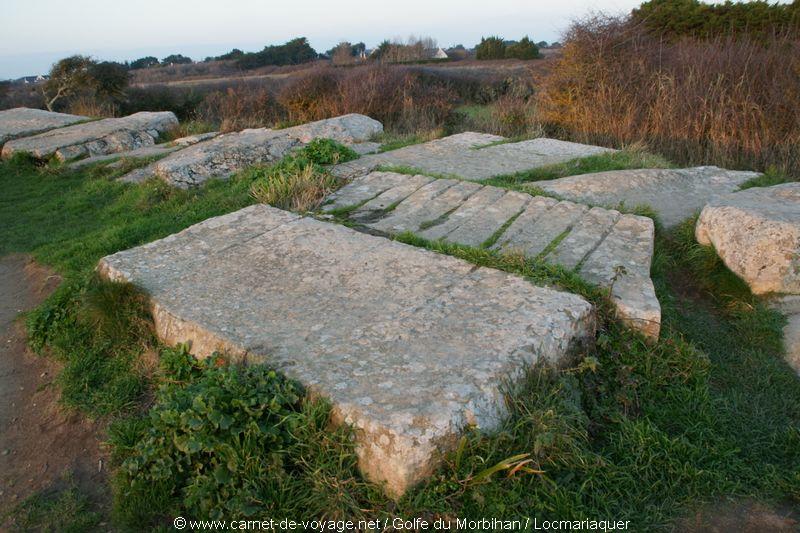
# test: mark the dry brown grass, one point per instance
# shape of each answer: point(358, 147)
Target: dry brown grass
point(731, 102)
point(401, 98)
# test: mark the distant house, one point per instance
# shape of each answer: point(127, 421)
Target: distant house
point(437, 53)
point(33, 79)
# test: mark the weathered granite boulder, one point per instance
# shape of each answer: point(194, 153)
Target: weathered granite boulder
point(24, 122)
point(106, 136)
point(409, 346)
point(674, 194)
point(224, 155)
point(346, 129)
point(756, 233)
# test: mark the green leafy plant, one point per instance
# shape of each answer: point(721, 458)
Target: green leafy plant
point(213, 434)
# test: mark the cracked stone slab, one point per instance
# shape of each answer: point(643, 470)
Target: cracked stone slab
point(476, 206)
point(674, 194)
point(756, 233)
point(534, 240)
point(585, 236)
point(605, 247)
point(99, 137)
point(226, 154)
point(376, 207)
point(622, 260)
point(472, 156)
point(409, 346)
point(24, 122)
point(364, 190)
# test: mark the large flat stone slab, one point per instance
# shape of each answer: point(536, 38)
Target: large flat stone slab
point(229, 153)
point(475, 156)
point(24, 122)
point(410, 346)
point(756, 232)
point(106, 136)
point(674, 194)
point(604, 246)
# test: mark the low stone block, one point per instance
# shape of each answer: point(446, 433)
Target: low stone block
point(24, 122)
point(99, 137)
point(674, 194)
point(410, 346)
point(474, 156)
point(756, 233)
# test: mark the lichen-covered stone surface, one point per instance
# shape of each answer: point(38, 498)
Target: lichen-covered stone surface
point(756, 232)
point(410, 346)
point(23, 122)
point(674, 194)
point(475, 156)
point(223, 155)
point(106, 136)
point(605, 247)
point(146, 151)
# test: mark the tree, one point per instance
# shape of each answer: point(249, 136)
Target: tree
point(342, 54)
point(292, 52)
point(523, 49)
point(176, 59)
point(491, 48)
point(108, 79)
point(67, 77)
point(144, 62)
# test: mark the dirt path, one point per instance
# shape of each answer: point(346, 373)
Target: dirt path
point(40, 443)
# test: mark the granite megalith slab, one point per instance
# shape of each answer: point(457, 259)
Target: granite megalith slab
point(410, 346)
point(99, 137)
point(674, 194)
point(24, 122)
point(224, 155)
point(474, 156)
point(603, 246)
point(756, 233)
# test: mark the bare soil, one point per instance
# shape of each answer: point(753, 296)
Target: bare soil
point(41, 443)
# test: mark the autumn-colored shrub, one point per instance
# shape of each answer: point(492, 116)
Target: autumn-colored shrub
point(731, 101)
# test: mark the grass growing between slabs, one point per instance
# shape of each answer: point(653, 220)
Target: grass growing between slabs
point(632, 432)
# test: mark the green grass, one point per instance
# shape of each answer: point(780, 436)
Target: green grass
point(767, 179)
point(394, 141)
point(66, 510)
point(635, 431)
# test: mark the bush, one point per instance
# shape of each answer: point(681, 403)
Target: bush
point(524, 49)
point(692, 18)
point(297, 182)
point(726, 101)
point(401, 98)
point(215, 436)
point(292, 52)
point(491, 48)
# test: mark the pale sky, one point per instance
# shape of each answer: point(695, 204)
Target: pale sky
point(35, 33)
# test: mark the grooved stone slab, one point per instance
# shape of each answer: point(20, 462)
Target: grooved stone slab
point(146, 151)
point(622, 260)
point(222, 156)
point(533, 240)
point(674, 194)
point(366, 189)
point(756, 232)
point(106, 136)
point(587, 234)
point(408, 186)
point(23, 122)
point(467, 155)
point(410, 346)
point(607, 248)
